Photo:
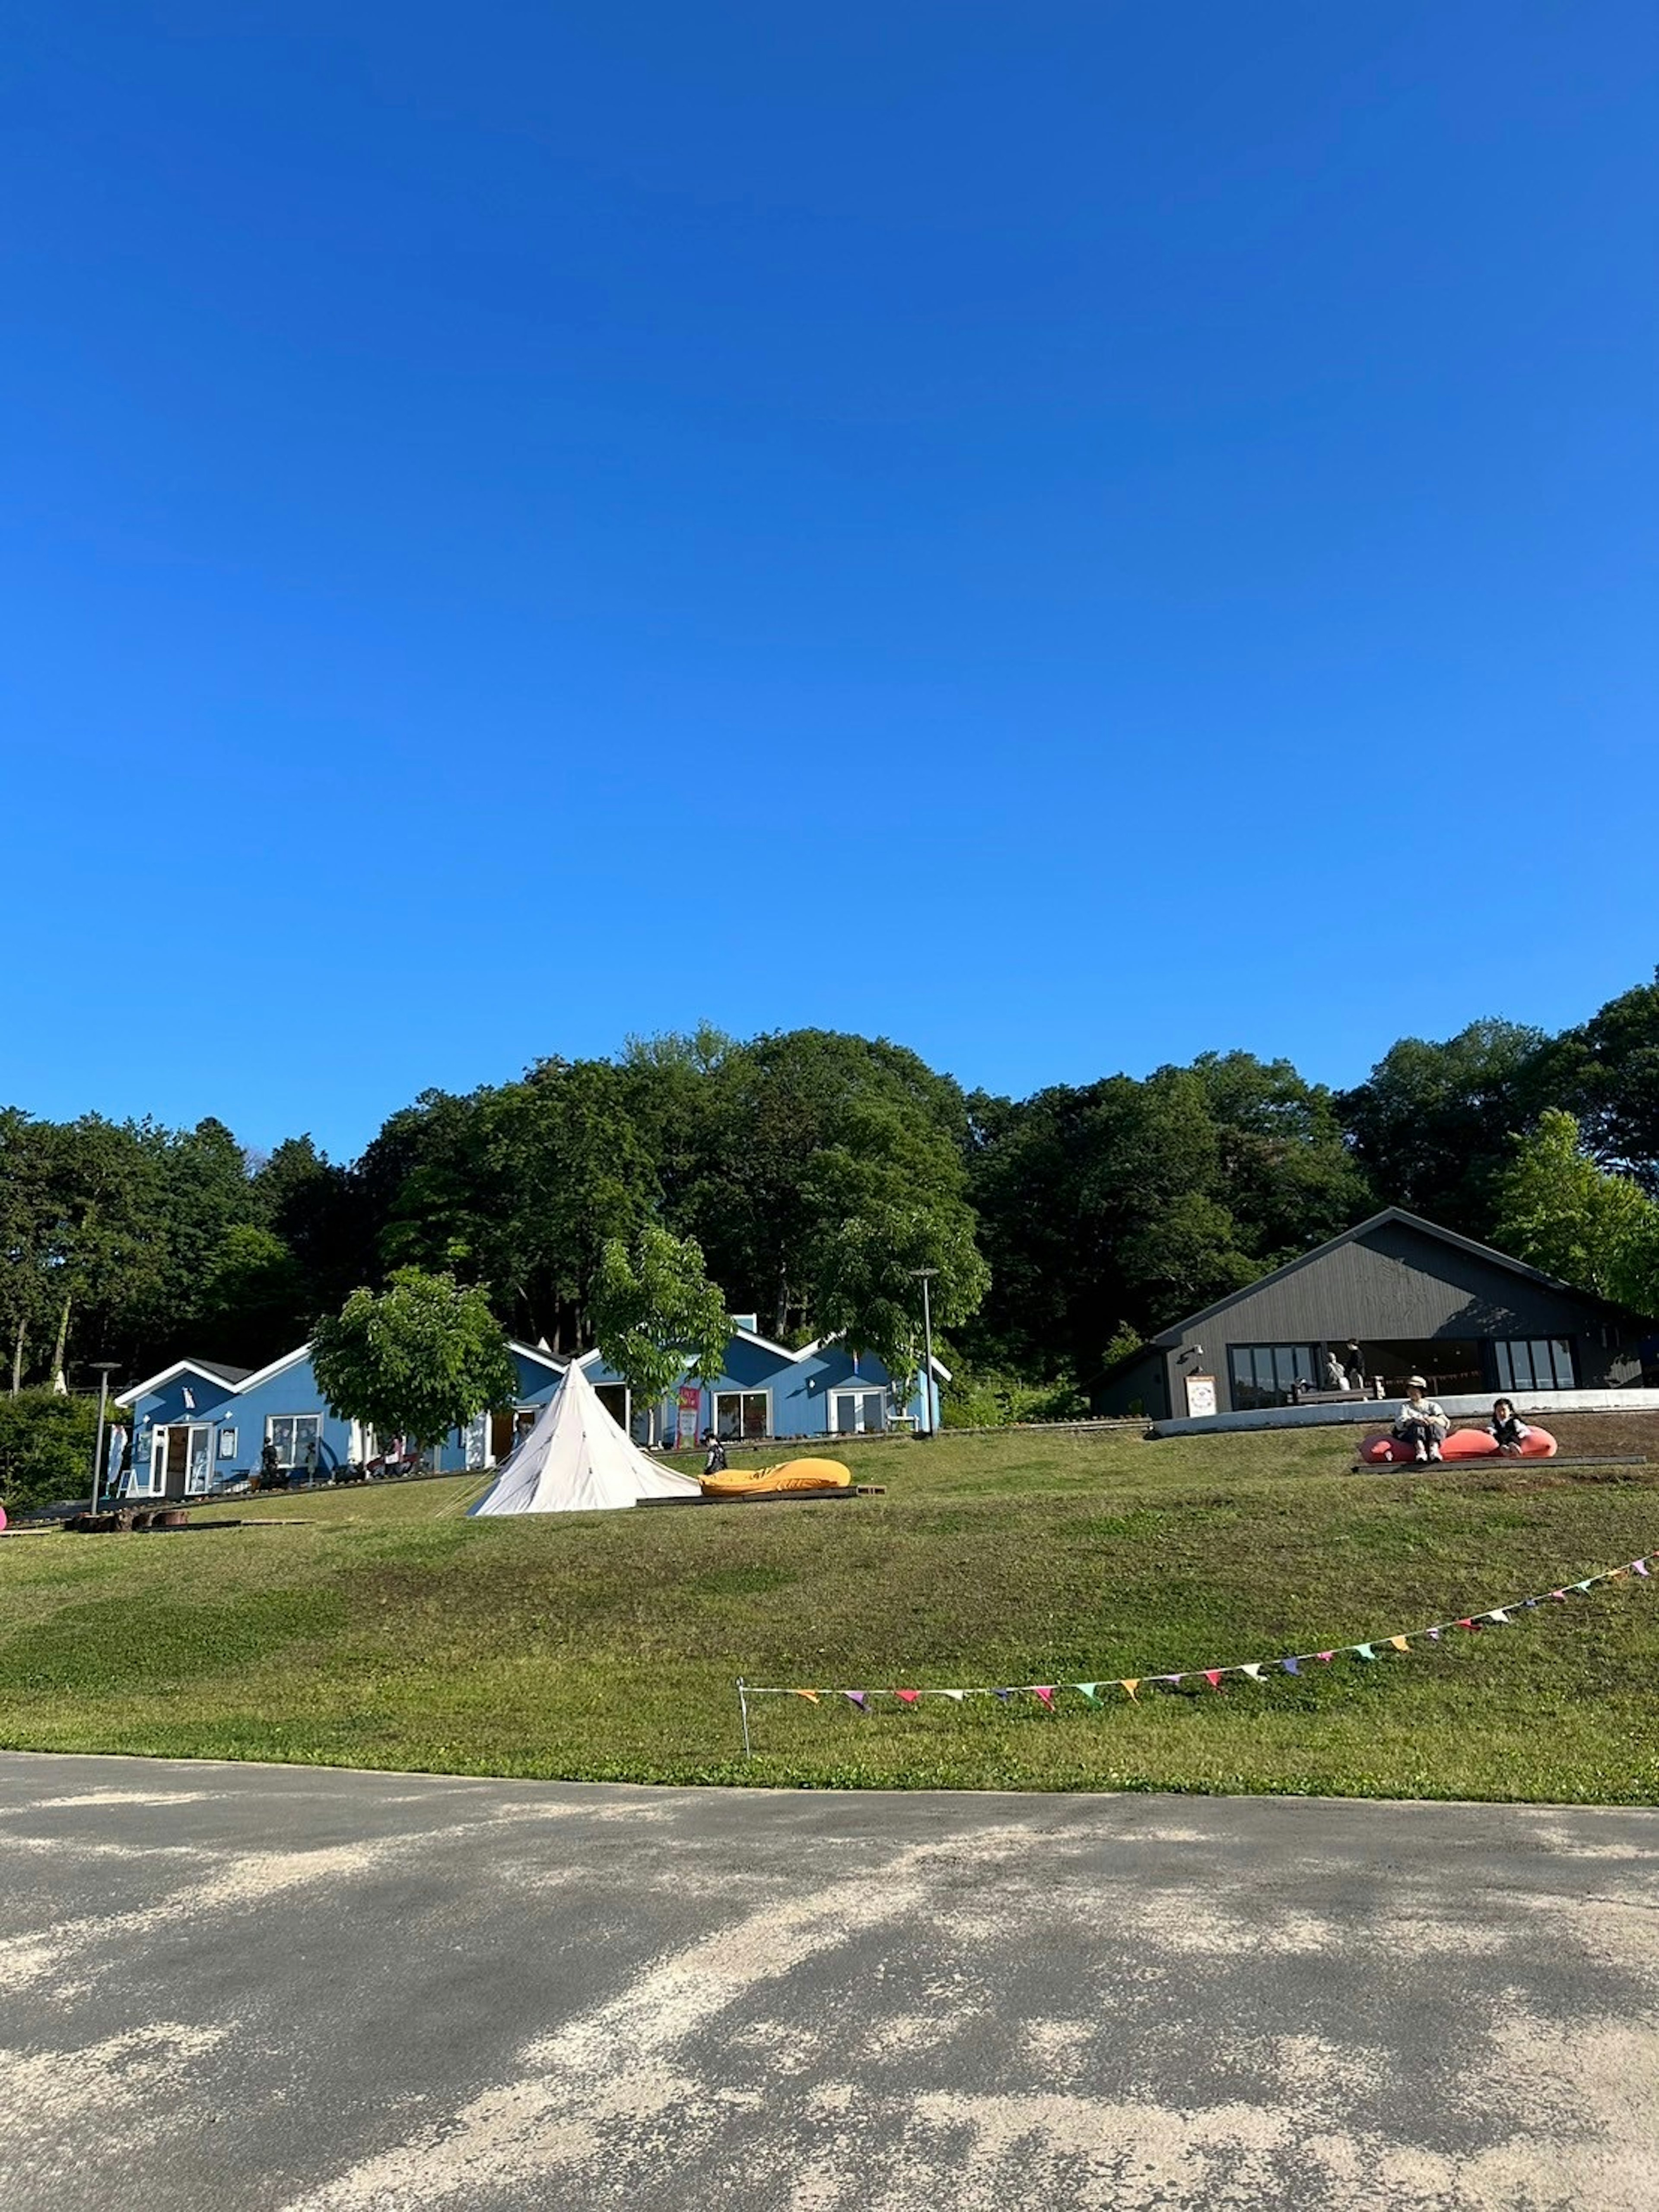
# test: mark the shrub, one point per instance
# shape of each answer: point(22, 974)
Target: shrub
point(46, 1443)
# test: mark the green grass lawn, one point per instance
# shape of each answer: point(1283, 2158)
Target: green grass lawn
point(380, 1628)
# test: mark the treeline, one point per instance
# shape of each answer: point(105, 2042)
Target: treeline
point(819, 1171)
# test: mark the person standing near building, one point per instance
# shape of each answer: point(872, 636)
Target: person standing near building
point(1354, 1360)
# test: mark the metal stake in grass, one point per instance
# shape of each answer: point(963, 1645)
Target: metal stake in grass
point(743, 1710)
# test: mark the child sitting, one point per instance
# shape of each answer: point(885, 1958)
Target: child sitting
point(1509, 1433)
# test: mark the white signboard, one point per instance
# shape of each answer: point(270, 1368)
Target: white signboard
point(1201, 1396)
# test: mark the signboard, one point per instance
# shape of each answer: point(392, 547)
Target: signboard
point(1201, 1396)
point(685, 1416)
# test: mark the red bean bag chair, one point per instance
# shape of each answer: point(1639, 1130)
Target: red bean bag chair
point(1461, 1443)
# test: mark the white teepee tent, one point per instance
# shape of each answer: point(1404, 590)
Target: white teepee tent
point(577, 1460)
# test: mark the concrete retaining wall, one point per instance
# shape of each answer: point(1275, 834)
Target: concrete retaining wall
point(1378, 1412)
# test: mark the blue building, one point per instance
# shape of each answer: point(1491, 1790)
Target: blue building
point(199, 1425)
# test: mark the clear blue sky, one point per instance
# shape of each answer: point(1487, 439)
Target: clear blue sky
point(1065, 534)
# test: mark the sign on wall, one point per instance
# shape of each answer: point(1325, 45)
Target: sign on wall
point(1201, 1396)
point(685, 1416)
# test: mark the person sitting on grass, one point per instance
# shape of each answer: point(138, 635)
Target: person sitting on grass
point(1422, 1422)
point(1509, 1432)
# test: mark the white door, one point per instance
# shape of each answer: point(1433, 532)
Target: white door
point(199, 1464)
point(858, 1413)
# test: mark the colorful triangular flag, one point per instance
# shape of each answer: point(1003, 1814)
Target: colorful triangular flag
point(1132, 1683)
point(1290, 1665)
point(1254, 1671)
point(1362, 1651)
point(1044, 1694)
point(907, 1697)
point(1398, 1643)
point(857, 1700)
point(1213, 1676)
point(810, 1696)
point(1090, 1690)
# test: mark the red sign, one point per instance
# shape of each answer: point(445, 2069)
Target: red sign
point(686, 1422)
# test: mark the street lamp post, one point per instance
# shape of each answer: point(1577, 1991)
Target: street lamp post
point(105, 1368)
point(924, 1276)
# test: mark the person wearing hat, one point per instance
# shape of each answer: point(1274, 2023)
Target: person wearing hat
point(1421, 1422)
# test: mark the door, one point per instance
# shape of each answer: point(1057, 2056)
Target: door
point(181, 1459)
point(858, 1413)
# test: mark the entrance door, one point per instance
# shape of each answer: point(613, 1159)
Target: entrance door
point(181, 1459)
point(858, 1413)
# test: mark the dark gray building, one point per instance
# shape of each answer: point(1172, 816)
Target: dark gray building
point(1416, 1300)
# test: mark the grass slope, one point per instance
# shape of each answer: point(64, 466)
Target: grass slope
point(382, 1629)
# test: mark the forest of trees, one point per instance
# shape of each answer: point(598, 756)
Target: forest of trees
point(818, 1171)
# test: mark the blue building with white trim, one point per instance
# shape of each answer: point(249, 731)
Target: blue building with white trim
point(199, 1426)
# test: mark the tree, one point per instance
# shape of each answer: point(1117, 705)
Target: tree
point(422, 1358)
point(865, 1283)
point(1606, 1072)
point(655, 1313)
point(1284, 1172)
point(46, 1447)
point(1559, 1210)
point(251, 1300)
point(1432, 1124)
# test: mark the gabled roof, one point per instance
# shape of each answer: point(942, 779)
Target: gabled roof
point(210, 1370)
point(1389, 1213)
point(274, 1367)
point(942, 1373)
point(552, 1360)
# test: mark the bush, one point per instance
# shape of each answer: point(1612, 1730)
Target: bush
point(46, 1443)
point(994, 1400)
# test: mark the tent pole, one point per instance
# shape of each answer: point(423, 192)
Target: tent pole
point(743, 1708)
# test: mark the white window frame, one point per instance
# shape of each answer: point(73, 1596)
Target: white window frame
point(293, 1466)
point(721, 1397)
point(860, 1391)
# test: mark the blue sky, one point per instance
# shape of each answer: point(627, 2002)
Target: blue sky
point(1065, 535)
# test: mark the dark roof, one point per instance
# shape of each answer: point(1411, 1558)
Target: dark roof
point(218, 1369)
point(1486, 1252)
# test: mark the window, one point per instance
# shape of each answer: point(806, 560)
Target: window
point(1263, 1374)
point(742, 1415)
point(858, 1413)
point(298, 1438)
point(613, 1396)
point(1534, 1363)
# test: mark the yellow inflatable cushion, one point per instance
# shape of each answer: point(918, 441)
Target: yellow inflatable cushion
point(790, 1474)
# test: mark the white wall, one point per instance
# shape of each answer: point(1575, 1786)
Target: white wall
point(1380, 1413)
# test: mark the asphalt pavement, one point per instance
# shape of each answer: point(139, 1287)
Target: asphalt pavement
point(288, 1989)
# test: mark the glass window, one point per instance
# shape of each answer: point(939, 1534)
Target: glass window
point(298, 1438)
point(741, 1415)
point(1266, 1374)
point(1535, 1363)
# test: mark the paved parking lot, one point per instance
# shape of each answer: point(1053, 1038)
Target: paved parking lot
point(294, 1990)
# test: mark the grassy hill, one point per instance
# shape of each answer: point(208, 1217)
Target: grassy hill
point(383, 1629)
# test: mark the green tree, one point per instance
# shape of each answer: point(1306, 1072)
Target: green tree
point(656, 1313)
point(1558, 1209)
point(864, 1285)
point(1607, 1073)
point(1283, 1170)
point(46, 1447)
point(28, 1213)
point(786, 1115)
point(251, 1302)
point(422, 1358)
point(1431, 1124)
point(1099, 1210)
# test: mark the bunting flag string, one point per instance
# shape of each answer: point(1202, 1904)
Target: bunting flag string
point(1251, 1670)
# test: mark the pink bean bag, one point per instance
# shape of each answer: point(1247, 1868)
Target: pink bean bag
point(1461, 1443)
